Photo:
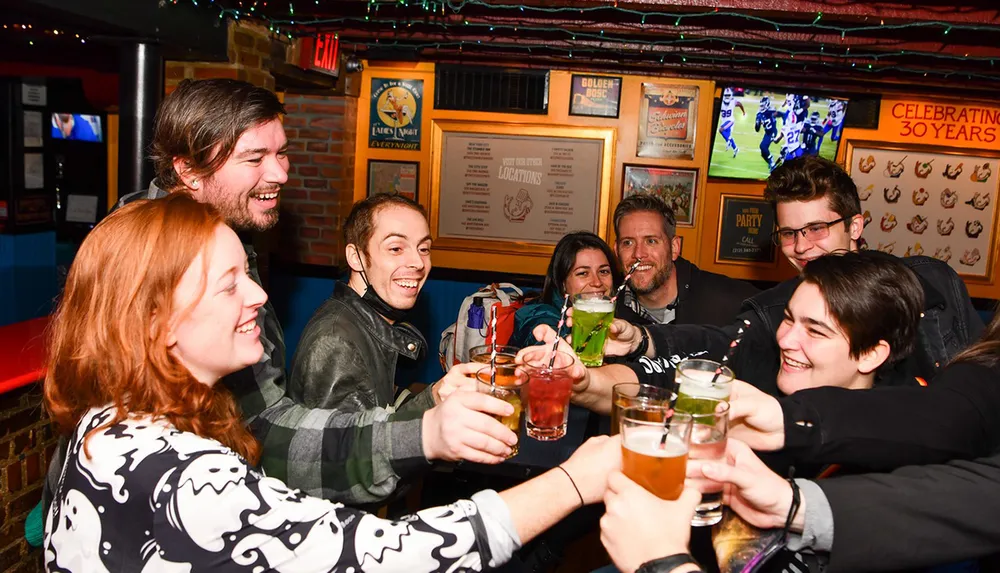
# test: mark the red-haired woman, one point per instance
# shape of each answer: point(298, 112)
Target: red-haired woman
point(160, 474)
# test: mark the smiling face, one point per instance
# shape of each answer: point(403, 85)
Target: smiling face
point(214, 328)
point(799, 214)
point(642, 237)
point(398, 257)
point(815, 351)
point(591, 273)
point(245, 189)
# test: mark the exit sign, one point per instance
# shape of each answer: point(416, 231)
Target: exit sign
point(321, 54)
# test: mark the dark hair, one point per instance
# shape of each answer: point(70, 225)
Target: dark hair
point(644, 202)
point(872, 296)
point(564, 257)
point(811, 177)
point(202, 120)
point(987, 350)
point(360, 223)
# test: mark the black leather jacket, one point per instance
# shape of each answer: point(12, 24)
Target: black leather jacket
point(346, 357)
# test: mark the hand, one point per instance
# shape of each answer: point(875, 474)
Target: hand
point(460, 377)
point(623, 338)
point(591, 463)
point(463, 428)
point(639, 527)
point(546, 334)
point(752, 490)
point(756, 418)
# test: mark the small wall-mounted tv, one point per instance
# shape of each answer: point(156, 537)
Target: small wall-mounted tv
point(77, 127)
point(757, 129)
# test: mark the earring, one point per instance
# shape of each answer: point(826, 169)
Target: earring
point(194, 183)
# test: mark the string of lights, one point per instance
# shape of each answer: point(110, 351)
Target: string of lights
point(32, 32)
point(455, 17)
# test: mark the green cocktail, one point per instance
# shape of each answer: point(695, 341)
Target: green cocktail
point(696, 391)
point(592, 315)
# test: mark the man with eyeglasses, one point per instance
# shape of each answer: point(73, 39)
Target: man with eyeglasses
point(818, 212)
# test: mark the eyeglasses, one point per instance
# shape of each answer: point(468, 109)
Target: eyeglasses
point(813, 232)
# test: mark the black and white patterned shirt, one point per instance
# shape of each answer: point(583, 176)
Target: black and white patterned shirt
point(148, 497)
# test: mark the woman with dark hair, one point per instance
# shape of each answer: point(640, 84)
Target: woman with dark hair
point(581, 263)
point(160, 469)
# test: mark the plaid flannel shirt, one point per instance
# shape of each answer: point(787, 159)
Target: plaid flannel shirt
point(353, 458)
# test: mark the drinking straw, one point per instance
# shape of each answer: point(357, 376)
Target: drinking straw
point(562, 320)
point(718, 372)
point(628, 276)
point(493, 349)
point(731, 351)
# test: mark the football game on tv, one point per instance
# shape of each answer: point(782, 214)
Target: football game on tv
point(757, 129)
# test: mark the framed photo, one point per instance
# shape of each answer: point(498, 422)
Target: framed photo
point(401, 177)
point(668, 115)
point(517, 189)
point(745, 227)
point(675, 186)
point(595, 96)
point(923, 200)
point(394, 114)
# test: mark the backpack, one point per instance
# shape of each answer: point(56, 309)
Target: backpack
point(473, 325)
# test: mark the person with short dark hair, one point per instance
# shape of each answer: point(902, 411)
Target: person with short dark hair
point(667, 288)
point(347, 357)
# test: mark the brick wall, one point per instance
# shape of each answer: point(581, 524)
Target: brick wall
point(321, 134)
point(26, 445)
point(250, 59)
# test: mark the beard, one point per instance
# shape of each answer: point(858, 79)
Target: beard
point(660, 278)
point(235, 208)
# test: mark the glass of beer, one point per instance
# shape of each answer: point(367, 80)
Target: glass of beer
point(549, 389)
point(708, 443)
point(508, 385)
point(592, 315)
point(701, 385)
point(647, 459)
point(634, 395)
point(481, 354)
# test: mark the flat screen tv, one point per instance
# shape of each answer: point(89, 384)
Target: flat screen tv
point(757, 129)
point(77, 127)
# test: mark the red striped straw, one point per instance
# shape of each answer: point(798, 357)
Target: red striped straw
point(628, 276)
point(562, 321)
point(493, 350)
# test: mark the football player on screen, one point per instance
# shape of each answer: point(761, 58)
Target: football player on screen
point(834, 119)
point(726, 120)
point(812, 135)
point(791, 137)
point(767, 119)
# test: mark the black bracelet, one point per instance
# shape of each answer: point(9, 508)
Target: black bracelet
point(580, 495)
point(640, 350)
point(668, 563)
point(796, 502)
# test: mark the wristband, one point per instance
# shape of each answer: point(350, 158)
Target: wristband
point(796, 502)
point(580, 495)
point(666, 564)
point(640, 350)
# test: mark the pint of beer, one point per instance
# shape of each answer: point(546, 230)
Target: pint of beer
point(654, 463)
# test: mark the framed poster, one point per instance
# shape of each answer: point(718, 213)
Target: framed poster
point(400, 177)
point(933, 201)
point(517, 189)
point(668, 115)
point(745, 227)
point(595, 96)
point(675, 186)
point(395, 114)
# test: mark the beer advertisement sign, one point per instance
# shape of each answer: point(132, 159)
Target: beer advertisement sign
point(668, 115)
point(394, 121)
